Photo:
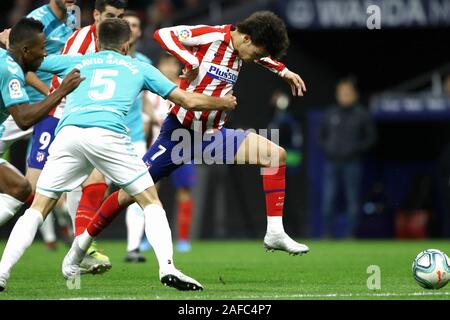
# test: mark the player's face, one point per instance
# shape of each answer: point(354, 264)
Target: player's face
point(249, 52)
point(110, 12)
point(135, 26)
point(34, 53)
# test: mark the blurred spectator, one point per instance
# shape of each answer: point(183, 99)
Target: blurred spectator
point(346, 131)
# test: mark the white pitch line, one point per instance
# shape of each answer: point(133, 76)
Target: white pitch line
point(331, 295)
point(300, 295)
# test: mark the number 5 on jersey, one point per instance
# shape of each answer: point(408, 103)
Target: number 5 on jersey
point(101, 79)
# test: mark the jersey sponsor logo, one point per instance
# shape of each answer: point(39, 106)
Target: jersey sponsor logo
point(184, 34)
point(15, 90)
point(222, 73)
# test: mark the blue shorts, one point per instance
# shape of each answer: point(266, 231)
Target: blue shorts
point(184, 176)
point(177, 145)
point(43, 136)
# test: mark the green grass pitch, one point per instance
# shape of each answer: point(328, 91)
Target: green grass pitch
point(239, 270)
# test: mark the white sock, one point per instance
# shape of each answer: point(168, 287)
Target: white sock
point(275, 224)
point(47, 229)
point(20, 239)
point(84, 240)
point(159, 235)
point(8, 207)
point(73, 200)
point(135, 226)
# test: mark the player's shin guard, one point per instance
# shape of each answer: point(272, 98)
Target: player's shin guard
point(90, 201)
point(274, 182)
point(105, 215)
point(8, 207)
point(159, 235)
point(20, 239)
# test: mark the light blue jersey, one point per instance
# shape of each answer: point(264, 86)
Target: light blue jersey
point(56, 34)
point(134, 119)
point(113, 81)
point(12, 84)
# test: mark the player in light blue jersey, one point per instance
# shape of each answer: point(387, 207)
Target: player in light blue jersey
point(58, 26)
point(26, 52)
point(92, 133)
point(134, 121)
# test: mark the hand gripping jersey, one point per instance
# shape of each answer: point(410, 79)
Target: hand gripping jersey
point(210, 49)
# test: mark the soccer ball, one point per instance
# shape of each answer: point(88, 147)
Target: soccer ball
point(431, 269)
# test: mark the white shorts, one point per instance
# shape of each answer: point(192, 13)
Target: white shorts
point(76, 151)
point(10, 133)
point(140, 147)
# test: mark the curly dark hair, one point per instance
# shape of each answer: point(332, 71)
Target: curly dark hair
point(266, 30)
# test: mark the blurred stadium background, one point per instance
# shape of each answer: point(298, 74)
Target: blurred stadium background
point(403, 74)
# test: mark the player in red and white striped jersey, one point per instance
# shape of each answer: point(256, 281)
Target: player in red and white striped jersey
point(212, 66)
point(213, 57)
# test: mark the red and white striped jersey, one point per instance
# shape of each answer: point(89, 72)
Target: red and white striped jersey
point(82, 41)
point(210, 49)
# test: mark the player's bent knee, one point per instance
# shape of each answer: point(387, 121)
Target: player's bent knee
point(277, 157)
point(281, 156)
point(148, 197)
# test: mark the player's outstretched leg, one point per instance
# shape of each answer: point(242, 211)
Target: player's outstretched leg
point(258, 150)
point(276, 238)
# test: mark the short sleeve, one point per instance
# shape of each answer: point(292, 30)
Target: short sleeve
point(155, 81)
point(13, 84)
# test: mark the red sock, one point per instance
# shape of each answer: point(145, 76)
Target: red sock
point(90, 201)
point(184, 219)
point(105, 215)
point(274, 187)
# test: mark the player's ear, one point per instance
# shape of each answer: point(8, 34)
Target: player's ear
point(246, 39)
point(125, 48)
point(96, 16)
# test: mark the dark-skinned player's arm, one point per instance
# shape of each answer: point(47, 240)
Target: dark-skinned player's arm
point(26, 115)
point(33, 80)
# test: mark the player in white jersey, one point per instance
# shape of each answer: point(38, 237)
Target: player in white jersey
point(97, 109)
point(213, 57)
